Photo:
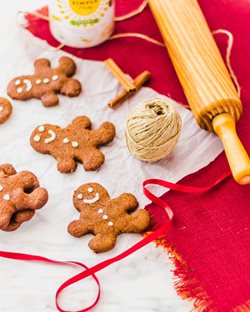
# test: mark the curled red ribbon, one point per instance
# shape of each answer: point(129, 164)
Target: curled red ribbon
point(148, 239)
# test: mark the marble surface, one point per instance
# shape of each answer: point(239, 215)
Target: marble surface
point(141, 283)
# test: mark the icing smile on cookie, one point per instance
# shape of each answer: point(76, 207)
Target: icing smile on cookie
point(92, 200)
point(89, 200)
point(27, 83)
point(51, 138)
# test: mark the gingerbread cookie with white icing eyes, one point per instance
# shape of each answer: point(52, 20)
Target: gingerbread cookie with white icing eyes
point(20, 196)
point(75, 143)
point(5, 109)
point(104, 217)
point(46, 82)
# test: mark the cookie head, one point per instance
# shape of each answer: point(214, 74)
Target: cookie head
point(90, 195)
point(20, 88)
point(43, 136)
point(5, 109)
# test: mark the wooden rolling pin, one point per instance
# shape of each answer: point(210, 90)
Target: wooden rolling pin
point(203, 75)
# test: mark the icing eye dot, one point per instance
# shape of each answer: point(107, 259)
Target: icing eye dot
point(37, 138)
point(19, 90)
point(110, 223)
point(41, 128)
point(1, 108)
point(75, 144)
point(100, 211)
point(105, 217)
point(90, 190)
point(45, 80)
point(6, 197)
point(65, 140)
point(79, 196)
point(1, 188)
point(38, 81)
point(55, 77)
point(18, 82)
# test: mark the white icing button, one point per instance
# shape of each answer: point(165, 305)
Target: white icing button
point(110, 223)
point(41, 128)
point(79, 196)
point(51, 138)
point(1, 108)
point(45, 80)
point(18, 82)
point(6, 197)
point(105, 217)
point(37, 138)
point(100, 211)
point(65, 140)
point(38, 81)
point(55, 77)
point(75, 144)
point(1, 188)
point(19, 90)
point(90, 190)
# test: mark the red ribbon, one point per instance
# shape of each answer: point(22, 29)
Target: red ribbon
point(148, 239)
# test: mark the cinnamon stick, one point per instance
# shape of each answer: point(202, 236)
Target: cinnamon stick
point(119, 74)
point(124, 95)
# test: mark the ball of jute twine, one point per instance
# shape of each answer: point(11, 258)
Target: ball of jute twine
point(152, 130)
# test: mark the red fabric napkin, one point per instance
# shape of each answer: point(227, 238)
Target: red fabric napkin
point(210, 237)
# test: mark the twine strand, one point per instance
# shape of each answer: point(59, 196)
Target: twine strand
point(228, 56)
point(137, 11)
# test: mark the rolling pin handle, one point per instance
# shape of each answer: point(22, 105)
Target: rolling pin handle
point(239, 162)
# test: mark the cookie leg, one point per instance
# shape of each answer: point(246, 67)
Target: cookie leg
point(35, 200)
point(137, 222)
point(77, 228)
point(23, 216)
point(93, 160)
point(6, 211)
point(50, 99)
point(71, 87)
point(66, 165)
point(7, 170)
point(18, 218)
point(102, 243)
point(12, 226)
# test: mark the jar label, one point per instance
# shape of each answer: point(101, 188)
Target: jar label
point(84, 7)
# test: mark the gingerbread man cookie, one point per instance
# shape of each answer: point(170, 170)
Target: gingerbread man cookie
point(74, 143)
point(5, 109)
point(20, 196)
point(104, 217)
point(46, 82)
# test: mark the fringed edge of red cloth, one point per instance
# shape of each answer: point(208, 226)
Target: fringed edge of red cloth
point(185, 283)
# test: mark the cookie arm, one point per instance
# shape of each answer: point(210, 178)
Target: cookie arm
point(126, 202)
point(78, 228)
point(41, 64)
point(105, 133)
point(67, 66)
point(79, 123)
point(137, 222)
